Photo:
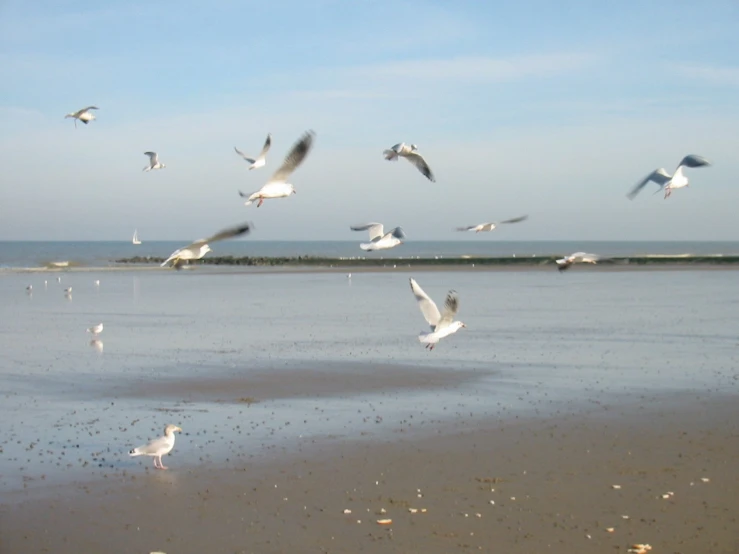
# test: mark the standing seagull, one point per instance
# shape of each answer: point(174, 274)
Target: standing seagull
point(154, 162)
point(158, 447)
point(200, 247)
point(442, 325)
point(379, 240)
point(82, 115)
point(96, 329)
point(577, 257)
point(260, 160)
point(410, 153)
point(491, 226)
point(664, 180)
point(277, 186)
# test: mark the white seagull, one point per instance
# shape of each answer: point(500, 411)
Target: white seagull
point(158, 447)
point(154, 162)
point(29, 288)
point(669, 182)
point(96, 329)
point(68, 291)
point(442, 325)
point(491, 226)
point(577, 257)
point(277, 186)
point(82, 115)
point(200, 247)
point(410, 153)
point(260, 160)
point(379, 240)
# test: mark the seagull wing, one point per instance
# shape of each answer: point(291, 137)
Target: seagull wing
point(153, 157)
point(428, 308)
point(224, 234)
point(376, 230)
point(693, 160)
point(87, 109)
point(659, 176)
point(267, 144)
point(468, 228)
point(294, 158)
point(420, 163)
point(154, 447)
point(240, 153)
point(451, 305)
point(398, 233)
point(514, 220)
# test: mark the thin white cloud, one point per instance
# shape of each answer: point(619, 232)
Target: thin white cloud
point(710, 74)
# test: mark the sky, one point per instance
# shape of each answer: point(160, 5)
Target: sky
point(550, 109)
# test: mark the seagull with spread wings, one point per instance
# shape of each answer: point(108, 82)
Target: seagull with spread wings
point(410, 153)
point(379, 240)
point(260, 160)
point(201, 247)
point(82, 115)
point(277, 186)
point(442, 324)
point(491, 226)
point(669, 182)
point(154, 162)
point(577, 257)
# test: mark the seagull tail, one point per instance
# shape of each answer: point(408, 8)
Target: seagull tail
point(390, 155)
point(428, 338)
point(135, 452)
point(366, 246)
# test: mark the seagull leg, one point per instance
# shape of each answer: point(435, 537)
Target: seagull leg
point(668, 192)
point(261, 201)
point(161, 465)
point(156, 464)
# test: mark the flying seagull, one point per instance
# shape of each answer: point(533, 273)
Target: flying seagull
point(154, 162)
point(410, 153)
point(200, 247)
point(96, 329)
point(491, 226)
point(82, 115)
point(260, 160)
point(379, 240)
point(577, 257)
point(277, 186)
point(665, 180)
point(158, 447)
point(442, 325)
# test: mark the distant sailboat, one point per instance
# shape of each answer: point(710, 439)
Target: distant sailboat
point(135, 238)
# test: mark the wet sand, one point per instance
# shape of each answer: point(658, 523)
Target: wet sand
point(520, 485)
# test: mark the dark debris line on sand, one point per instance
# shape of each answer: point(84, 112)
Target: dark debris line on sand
point(441, 262)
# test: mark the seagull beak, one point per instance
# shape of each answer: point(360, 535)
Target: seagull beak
point(464, 326)
point(178, 429)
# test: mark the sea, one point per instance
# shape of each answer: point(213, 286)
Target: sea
point(21, 254)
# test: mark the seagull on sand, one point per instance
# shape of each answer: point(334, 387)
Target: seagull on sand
point(491, 226)
point(577, 257)
point(82, 115)
point(68, 291)
point(442, 325)
point(260, 160)
point(158, 447)
point(154, 162)
point(669, 182)
point(410, 153)
point(379, 240)
point(96, 329)
point(200, 247)
point(277, 186)
point(29, 288)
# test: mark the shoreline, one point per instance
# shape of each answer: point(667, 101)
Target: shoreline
point(532, 484)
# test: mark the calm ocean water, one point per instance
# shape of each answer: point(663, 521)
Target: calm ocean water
point(103, 254)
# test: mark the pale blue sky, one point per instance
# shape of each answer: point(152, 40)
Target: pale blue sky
point(552, 109)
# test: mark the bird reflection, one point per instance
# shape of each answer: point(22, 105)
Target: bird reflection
point(97, 344)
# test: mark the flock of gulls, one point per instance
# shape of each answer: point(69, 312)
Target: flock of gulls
point(441, 323)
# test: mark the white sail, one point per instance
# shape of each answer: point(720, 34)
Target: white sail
point(135, 239)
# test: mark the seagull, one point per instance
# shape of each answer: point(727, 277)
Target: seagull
point(29, 288)
point(158, 447)
point(581, 257)
point(491, 226)
point(667, 182)
point(82, 115)
point(154, 162)
point(68, 291)
point(277, 186)
point(200, 247)
point(442, 325)
point(410, 153)
point(379, 240)
point(58, 279)
point(97, 282)
point(260, 160)
point(96, 329)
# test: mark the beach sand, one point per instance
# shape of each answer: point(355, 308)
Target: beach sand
point(520, 485)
